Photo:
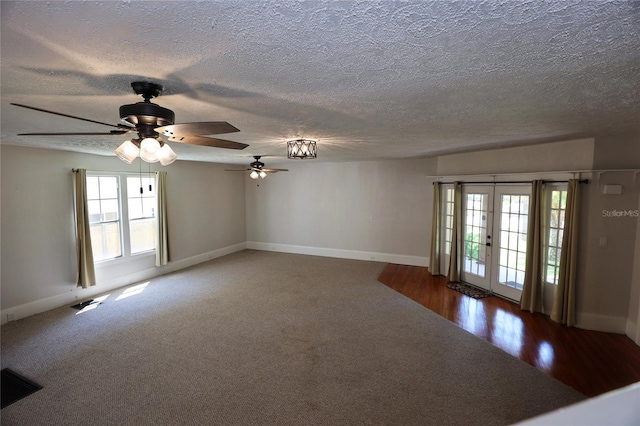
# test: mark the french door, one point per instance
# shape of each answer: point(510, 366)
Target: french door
point(477, 232)
point(494, 237)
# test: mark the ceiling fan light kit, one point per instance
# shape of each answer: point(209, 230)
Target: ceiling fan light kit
point(150, 121)
point(301, 149)
point(150, 150)
point(128, 152)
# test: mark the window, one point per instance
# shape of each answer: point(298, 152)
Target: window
point(142, 205)
point(104, 216)
point(557, 203)
point(121, 217)
point(448, 219)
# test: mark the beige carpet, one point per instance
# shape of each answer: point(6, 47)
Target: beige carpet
point(267, 338)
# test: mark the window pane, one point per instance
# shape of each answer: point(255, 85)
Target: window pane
point(135, 208)
point(110, 210)
point(108, 187)
point(93, 190)
point(142, 235)
point(94, 211)
point(149, 207)
point(134, 184)
point(105, 241)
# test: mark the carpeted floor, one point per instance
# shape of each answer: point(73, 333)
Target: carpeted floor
point(266, 338)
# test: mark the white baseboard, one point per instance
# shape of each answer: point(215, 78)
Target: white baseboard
point(339, 253)
point(631, 332)
point(79, 294)
point(602, 323)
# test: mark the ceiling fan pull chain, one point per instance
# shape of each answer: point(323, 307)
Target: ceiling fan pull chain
point(140, 163)
point(150, 188)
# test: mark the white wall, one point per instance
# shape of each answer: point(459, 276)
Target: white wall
point(568, 155)
point(206, 216)
point(377, 210)
point(606, 271)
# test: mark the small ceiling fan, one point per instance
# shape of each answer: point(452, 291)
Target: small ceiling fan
point(257, 169)
point(151, 121)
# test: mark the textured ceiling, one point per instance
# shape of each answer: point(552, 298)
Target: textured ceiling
point(368, 79)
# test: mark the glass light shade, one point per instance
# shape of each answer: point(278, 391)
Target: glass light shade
point(149, 150)
point(166, 155)
point(301, 148)
point(127, 152)
point(254, 175)
point(262, 175)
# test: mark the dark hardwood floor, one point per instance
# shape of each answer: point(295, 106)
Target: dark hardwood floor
point(591, 362)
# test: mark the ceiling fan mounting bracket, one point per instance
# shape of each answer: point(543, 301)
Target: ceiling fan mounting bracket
point(147, 89)
point(257, 165)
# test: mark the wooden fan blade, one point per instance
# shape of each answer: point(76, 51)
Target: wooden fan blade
point(205, 141)
point(68, 116)
point(197, 129)
point(111, 133)
point(275, 170)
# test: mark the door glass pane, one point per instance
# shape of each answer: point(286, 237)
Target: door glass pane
point(514, 214)
point(475, 234)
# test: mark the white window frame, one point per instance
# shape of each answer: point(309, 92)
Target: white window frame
point(550, 187)
point(123, 205)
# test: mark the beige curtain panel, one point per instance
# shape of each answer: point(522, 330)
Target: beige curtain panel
point(434, 258)
point(162, 227)
point(456, 235)
point(564, 310)
point(84, 252)
point(532, 298)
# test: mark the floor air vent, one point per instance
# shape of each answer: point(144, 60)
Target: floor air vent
point(15, 387)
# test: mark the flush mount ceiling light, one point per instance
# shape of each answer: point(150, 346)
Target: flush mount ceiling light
point(301, 148)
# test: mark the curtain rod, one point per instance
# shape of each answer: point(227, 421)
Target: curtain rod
point(551, 172)
point(508, 181)
point(111, 171)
